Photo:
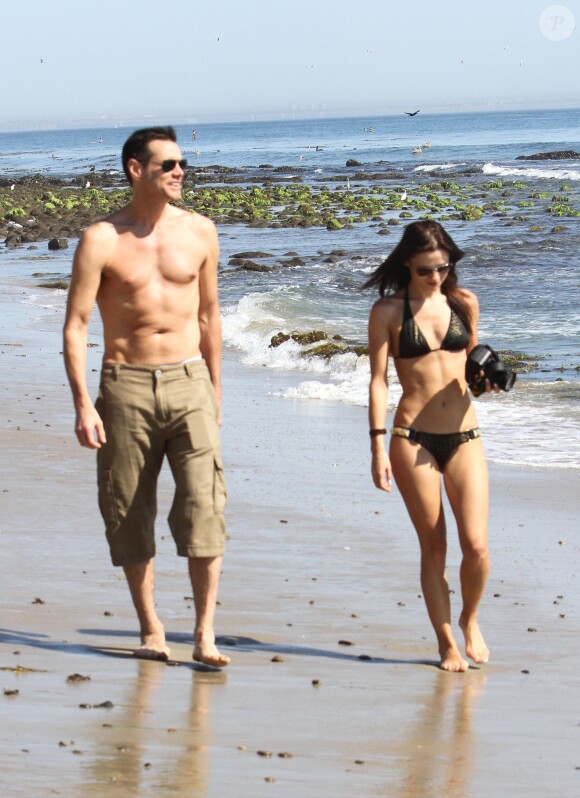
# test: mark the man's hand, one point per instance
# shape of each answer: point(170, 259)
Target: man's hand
point(89, 428)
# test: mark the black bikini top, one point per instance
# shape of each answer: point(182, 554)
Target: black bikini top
point(412, 342)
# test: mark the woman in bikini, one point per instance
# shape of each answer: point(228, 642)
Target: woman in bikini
point(428, 324)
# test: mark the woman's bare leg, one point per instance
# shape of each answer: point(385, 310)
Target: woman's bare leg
point(466, 483)
point(420, 484)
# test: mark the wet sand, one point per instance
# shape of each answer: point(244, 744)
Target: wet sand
point(334, 688)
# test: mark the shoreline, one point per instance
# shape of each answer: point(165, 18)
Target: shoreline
point(320, 570)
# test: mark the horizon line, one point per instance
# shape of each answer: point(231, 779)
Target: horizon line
point(288, 115)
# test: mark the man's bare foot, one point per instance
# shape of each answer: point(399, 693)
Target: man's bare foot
point(475, 647)
point(206, 652)
point(153, 647)
point(451, 660)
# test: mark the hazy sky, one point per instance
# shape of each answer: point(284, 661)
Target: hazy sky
point(188, 60)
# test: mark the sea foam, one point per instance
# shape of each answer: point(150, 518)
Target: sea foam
point(532, 172)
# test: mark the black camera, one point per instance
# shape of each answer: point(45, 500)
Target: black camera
point(484, 358)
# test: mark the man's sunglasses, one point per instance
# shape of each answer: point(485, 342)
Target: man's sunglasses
point(425, 271)
point(170, 164)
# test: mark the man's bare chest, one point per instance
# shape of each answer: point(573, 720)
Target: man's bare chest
point(136, 265)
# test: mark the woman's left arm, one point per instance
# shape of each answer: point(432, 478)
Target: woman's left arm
point(473, 306)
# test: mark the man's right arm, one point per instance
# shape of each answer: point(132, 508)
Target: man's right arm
point(86, 278)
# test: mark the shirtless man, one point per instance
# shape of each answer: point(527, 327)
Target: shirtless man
point(152, 269)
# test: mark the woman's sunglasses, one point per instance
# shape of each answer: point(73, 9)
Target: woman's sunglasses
point(425, 271)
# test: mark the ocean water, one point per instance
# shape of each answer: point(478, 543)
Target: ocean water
point(525, 274)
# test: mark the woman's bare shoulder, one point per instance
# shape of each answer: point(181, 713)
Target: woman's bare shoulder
point(388, 307)
point(468, 297)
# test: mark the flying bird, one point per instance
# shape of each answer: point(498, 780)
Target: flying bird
point(414, 113)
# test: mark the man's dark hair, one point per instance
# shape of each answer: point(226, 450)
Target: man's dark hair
point(136, 145)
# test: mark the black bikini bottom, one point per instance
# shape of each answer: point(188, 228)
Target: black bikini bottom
point(441, 446)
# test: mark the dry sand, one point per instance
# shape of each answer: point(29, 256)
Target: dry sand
point(321, 573)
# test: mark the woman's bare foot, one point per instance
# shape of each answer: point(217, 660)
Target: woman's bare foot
point(451, 660)
point(153, 647)
point(475, 647)
point(206, 651)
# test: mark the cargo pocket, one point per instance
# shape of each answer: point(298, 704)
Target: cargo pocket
point(108, 501)
point(220, 493)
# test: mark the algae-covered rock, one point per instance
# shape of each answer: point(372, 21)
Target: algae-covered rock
point(325, 351)
point(278, 340)
point(471, 213)
point(311, 337)
point(62, 284)
point(302, 338)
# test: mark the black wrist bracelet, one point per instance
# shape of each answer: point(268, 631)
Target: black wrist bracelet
point(374, 432)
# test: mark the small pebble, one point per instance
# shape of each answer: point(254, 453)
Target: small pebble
point(264, 753)
point(269, 779)
point(525, 671)
point(316, 682)
point(277, 658)
point(532, 629)
point(345, 643)
point(285, 755)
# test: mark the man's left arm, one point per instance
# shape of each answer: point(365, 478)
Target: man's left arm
point(209, 317)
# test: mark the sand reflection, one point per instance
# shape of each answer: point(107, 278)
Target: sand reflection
point(440, 743)
point(157, 741)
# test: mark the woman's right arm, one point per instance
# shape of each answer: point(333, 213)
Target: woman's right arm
point(378, 333)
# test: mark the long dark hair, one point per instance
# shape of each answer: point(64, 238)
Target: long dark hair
point(392, 274)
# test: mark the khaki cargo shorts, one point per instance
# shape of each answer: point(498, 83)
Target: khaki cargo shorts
point(150, 413)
